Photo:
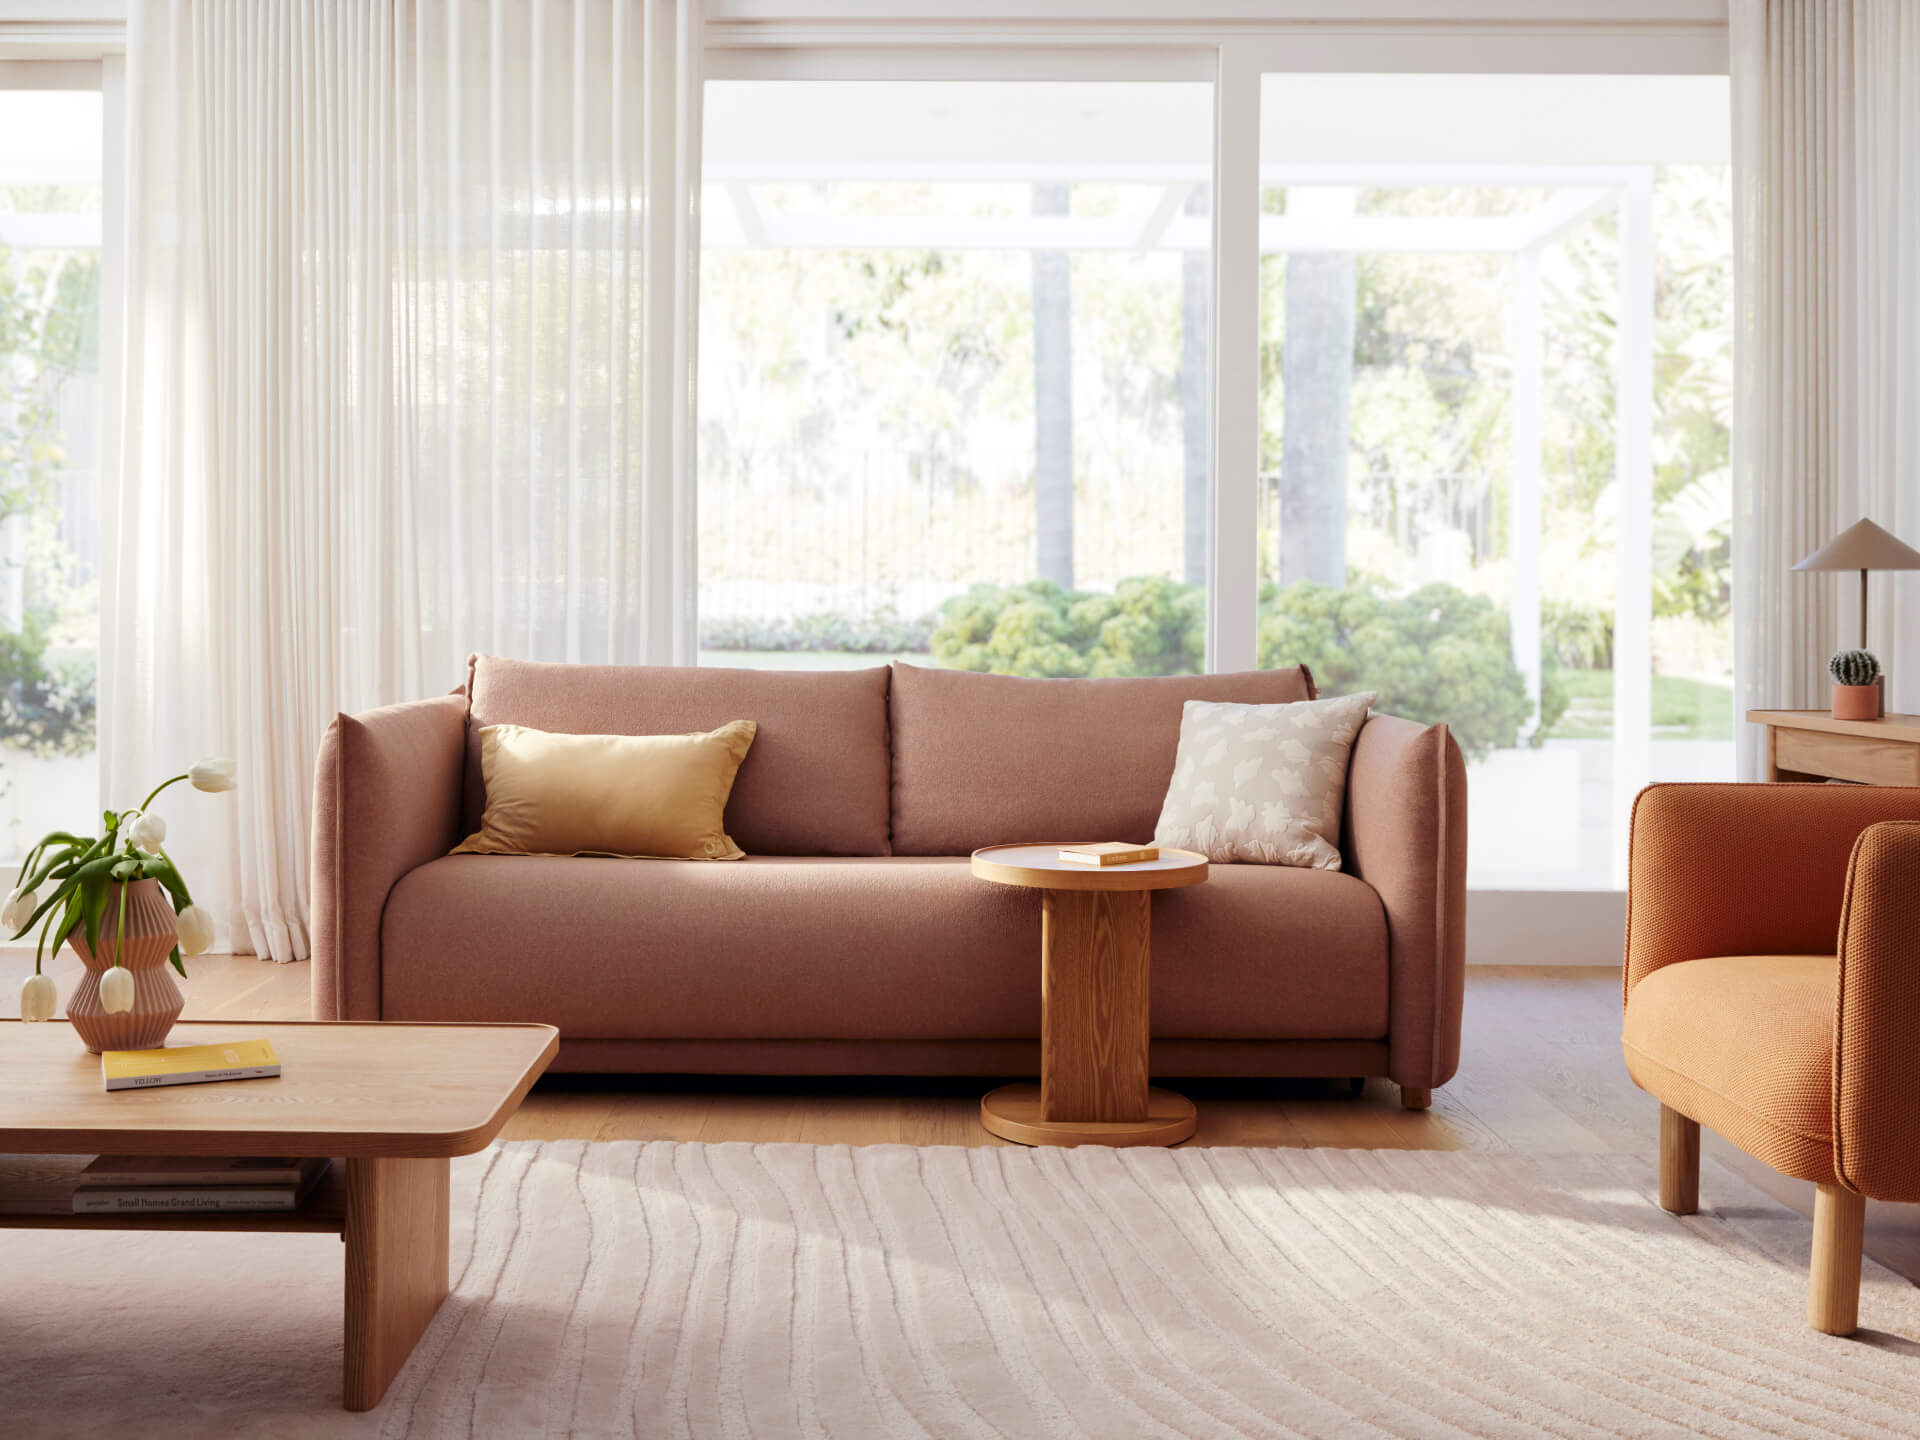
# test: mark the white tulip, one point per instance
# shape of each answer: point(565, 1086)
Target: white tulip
point(148, 833)
point(19, 909)
point(195, 927)
point(213, 774)
point(38, 998)
point(116, 990)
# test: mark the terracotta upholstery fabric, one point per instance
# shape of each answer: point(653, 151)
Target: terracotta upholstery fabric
point(814, 783)
point(1405, 835)
point(992, 759)
point(386, 799)
point(886, 949)
point(1876, 1127)
point(1802, 1059)
point(1744, 869)
point(1744, 1045)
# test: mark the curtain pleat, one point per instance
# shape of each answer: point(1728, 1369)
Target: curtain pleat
point(1826, 98)
point(386, 398)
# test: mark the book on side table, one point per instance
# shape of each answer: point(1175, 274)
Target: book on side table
point(1110, 852)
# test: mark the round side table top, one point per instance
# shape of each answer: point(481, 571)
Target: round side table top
point(1039, 867)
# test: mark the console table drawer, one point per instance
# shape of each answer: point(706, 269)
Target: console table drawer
point(1846, 757)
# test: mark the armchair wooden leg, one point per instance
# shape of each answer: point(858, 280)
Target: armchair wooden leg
point(1412, 1098)
point(1679, 1162)
point(1839, 1228)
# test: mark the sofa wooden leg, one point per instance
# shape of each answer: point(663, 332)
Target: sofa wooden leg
point(1679, 1162)
point(1412, 1098)
point(1839, 1228)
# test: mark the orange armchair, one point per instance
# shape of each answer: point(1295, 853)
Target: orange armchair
point(1772, 994)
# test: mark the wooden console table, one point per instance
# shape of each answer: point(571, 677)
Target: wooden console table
point(1812, 745)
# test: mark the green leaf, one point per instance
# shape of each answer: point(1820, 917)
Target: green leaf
point(162, 869)
point(173, 959)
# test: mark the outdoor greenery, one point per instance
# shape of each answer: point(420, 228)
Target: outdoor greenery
point(1437, 654)
point(867, 447)
point(47, 334)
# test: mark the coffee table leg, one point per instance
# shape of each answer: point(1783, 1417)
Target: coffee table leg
point(396, 1234)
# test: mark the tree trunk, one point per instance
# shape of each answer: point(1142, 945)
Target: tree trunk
point(1195, 337)
point(1053, 398)
point(1316, 368)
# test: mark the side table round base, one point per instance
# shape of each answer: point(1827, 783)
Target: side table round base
point(1013, 1113)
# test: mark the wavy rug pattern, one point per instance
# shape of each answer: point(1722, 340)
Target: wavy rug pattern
point(812, 1291)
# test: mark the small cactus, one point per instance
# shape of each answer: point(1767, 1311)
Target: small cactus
point(1853, 667)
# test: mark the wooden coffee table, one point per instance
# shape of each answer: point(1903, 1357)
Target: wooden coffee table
point(1095, 1017)
point(390, 1103)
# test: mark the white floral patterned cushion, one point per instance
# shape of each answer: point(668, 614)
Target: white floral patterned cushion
point(1262, 782)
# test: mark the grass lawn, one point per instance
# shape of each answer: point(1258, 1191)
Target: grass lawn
point(1683, 709)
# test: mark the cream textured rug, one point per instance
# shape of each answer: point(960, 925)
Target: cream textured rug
point(791, 1290)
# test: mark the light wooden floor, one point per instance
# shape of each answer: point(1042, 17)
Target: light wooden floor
point(1541, 1073)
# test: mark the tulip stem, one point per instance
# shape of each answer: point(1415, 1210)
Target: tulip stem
point(157, 789)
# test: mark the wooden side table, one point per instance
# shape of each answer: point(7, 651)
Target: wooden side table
point(1812, 745)
point(1095, 1020)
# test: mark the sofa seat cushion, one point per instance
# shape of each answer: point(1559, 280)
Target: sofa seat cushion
point(1744, 1045)
point(814, 783)
point(901, 948)
point(997, 759)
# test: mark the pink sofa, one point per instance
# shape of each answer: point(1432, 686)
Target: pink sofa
point(853, 940)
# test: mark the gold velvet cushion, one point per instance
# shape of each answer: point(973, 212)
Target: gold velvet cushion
point(654, 796)
point(1262, 782)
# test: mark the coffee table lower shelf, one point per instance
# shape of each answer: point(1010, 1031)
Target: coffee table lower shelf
point(323, 1213)
point(1013, 1113)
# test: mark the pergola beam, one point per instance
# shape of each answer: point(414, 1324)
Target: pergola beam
point(1154, 231)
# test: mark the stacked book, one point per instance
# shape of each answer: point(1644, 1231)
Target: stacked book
point(169, 1184)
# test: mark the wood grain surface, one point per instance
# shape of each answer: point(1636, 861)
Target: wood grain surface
point(345, 1090)
point(1095, 1015)
point(397, 1254)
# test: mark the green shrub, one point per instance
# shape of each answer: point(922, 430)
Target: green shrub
point(881, 633)
point(1438, 654)
point(47, 707)
point(1148, 626)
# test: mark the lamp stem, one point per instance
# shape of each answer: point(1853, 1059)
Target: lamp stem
point(1863, 609)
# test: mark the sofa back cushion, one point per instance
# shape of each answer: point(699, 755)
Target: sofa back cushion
point(992, 759)
point(814, 783)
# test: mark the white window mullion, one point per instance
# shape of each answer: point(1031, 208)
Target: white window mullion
point(1233, 571)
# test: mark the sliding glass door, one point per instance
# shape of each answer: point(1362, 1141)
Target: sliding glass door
point(1494, 368)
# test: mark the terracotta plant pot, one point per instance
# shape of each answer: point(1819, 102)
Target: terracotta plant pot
point(1856, 702)
point(157, 1001)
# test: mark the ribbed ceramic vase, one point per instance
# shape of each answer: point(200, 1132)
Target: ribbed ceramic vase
point(157, 1001)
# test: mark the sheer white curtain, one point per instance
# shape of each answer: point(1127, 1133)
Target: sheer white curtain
point(1826, 98)
point(408, 305)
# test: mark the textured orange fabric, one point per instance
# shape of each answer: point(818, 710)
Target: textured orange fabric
point(1744, 1045)
point(1876, 1127)
point(1744, 869)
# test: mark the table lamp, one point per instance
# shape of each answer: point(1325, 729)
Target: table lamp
point(1863, 546)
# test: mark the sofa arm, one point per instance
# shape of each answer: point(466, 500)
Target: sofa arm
point(1743, 869)
point(1406, 836)
point(1876, 1134)
point(387, 794)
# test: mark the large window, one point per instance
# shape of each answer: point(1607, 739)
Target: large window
point(1495, 362)
point(953, 393)
point(50, 230)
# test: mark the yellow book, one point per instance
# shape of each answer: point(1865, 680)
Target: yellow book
point(188, 1064)
point(1111, 852)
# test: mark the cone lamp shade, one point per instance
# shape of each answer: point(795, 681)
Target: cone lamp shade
point(1863, 546)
